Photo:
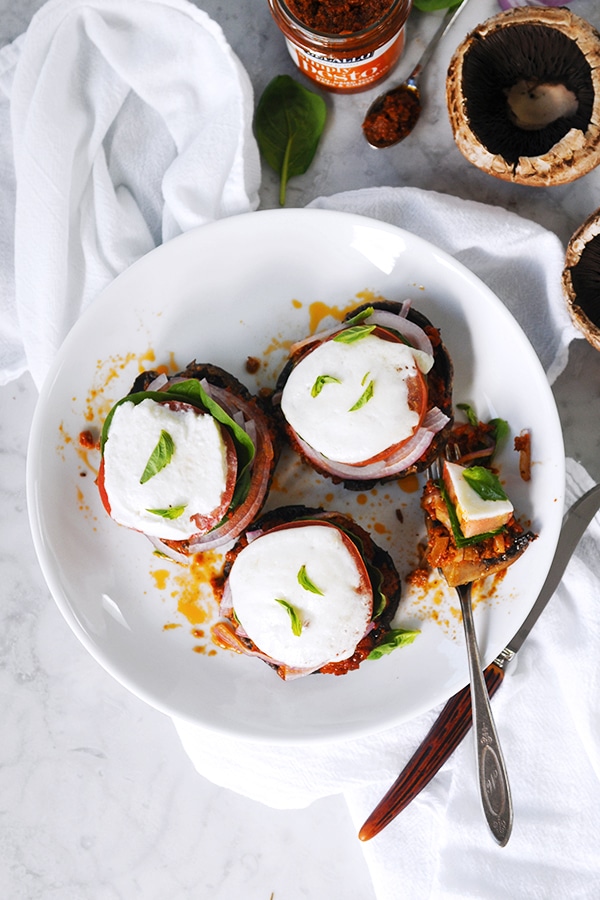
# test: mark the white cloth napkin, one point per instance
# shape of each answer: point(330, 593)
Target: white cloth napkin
point(439, 847)
point(122, 124)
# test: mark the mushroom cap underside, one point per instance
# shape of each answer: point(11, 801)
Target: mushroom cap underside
point(523, 95)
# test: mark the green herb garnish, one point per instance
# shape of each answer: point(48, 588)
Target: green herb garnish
point(470, 413)
point(397, 637)
point(501, 429)
point(160, 457)
point(364, 397)
point(485, 483)
point(306, 583)
point(354, 333)
point(360, 316)
point(294, 617)
point(288, 125)
point(320, 382)
point(171, 512)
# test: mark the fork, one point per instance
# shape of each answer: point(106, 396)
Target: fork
point(491, 768)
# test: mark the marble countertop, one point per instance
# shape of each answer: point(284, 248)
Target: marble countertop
point(97, 798)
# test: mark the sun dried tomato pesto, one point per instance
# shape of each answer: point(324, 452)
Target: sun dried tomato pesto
point(88, 440)
point(393, 119)
point(343, 45)
point(338, 16)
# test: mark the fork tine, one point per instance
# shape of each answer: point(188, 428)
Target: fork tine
point(434, 470)
point(452, 451)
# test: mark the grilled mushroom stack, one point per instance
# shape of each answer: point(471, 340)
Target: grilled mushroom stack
point(523, 94)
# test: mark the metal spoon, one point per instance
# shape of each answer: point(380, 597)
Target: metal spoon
point(393, 115)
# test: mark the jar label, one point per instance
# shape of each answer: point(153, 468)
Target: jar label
point(350, 72)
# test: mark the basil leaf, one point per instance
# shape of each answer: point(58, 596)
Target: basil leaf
point(294, 617)
point(320, 382)
point(354, 333)
point(397, 637)
point(485, 483)
point(364, 397)
point(160, 457)
point(360, 316)
point(171, 512)
point(288, 124)
point(305, 582)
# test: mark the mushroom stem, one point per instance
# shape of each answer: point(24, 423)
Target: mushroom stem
point(532, 105)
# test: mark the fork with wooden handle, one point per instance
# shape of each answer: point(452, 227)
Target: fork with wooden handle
point(454, 721)
point(491, 769)
point(494, 787)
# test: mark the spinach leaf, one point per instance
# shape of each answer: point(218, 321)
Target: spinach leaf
point(433, 5)
point(459, 539)
point(501, 429)
point(288, 124)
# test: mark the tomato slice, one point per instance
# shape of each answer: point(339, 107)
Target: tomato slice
point(207, 522)
point(101, 487)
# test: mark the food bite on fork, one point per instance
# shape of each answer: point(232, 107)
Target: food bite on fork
point(472, 529)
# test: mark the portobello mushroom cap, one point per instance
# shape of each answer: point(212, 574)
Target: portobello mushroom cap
point(581, 279)
point(523, 96)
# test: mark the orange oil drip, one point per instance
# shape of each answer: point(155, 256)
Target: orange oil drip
point(194, 588)
point(409, 484)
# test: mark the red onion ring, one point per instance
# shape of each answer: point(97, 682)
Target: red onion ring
point(396, 321)
point(402, 459)
point(413, 333)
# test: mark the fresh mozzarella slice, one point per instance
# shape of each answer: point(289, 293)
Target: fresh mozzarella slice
point(353, 401)
point(475, 515)
point(302, 594)
point(191, 483)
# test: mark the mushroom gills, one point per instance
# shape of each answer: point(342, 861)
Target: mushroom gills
point(585, 277)
point(497, 72)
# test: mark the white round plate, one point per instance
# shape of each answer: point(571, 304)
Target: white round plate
point(245, 287)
